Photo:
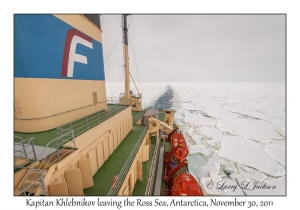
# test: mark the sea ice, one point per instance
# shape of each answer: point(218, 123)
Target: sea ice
point(279, 183)
point(215, 178)
point(187, 105)
point(214, 143)
point(228, 166)
point(276, 151)
point(246, 152)
point(197, 119)
point(250, 119)
point(209, 132)
point(196, 162)
point(213, 165)
point(206, 151)
point(189, 131)
point(197, 139)
point(225, 128)
point(219, 112)
point(251, 173)
point(253, 129)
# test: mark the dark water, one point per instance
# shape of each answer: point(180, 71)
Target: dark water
point(165, 100)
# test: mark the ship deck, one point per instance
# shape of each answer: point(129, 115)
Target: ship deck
point(42, 138)
point(140, 187)
point(113, 165)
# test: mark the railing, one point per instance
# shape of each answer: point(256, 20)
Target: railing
point(113, 100)
point(136, 118)
point(23, 152)
point(84, 124)
point(134, 95)
point(52, 153)
point(150, 183)
point(32, 185)
point(124, 171)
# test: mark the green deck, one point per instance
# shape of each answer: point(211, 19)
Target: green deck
point(42, 138)
point(140, 187)
point(161, 115)
point(113, 165)
point(136, 115)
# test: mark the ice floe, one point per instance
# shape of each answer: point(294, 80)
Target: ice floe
point(197, 119)
point(249, 153)
point(206, 151)
point(253, 129)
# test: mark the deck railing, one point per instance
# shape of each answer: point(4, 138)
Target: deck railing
point(150, 183)
point(135, 95)
point(124, 171)
point(136, 118)
point(52, 153)
point(25, 148)
point(84, 124)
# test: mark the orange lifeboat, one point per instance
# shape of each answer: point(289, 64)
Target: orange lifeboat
point(186, 185)
point(182, 152)
point(178, 181)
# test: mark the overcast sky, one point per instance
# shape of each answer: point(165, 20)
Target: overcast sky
point(198, 48)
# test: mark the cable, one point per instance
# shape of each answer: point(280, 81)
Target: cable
point(118, 58)
point(112, 49)
point(130, 21)
point(135, 64)
point(135, 58)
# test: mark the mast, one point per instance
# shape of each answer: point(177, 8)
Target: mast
point(126, 59)
point(135, 101)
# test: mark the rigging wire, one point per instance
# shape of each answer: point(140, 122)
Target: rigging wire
point(130, 21)
point(112, 48)
point(118, 54)
point(120, 86)
point(118, 58)
point(135, 53)
point(107, 71)
point(107, 63)
point(135, 64)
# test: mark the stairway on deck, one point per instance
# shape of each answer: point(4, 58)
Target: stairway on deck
point(31, 182)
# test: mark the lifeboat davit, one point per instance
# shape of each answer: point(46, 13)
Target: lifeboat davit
point(186, 185)
point(182, 152)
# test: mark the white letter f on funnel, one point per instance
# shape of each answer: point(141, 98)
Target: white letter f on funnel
point(74, 57)
point(70, 56)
